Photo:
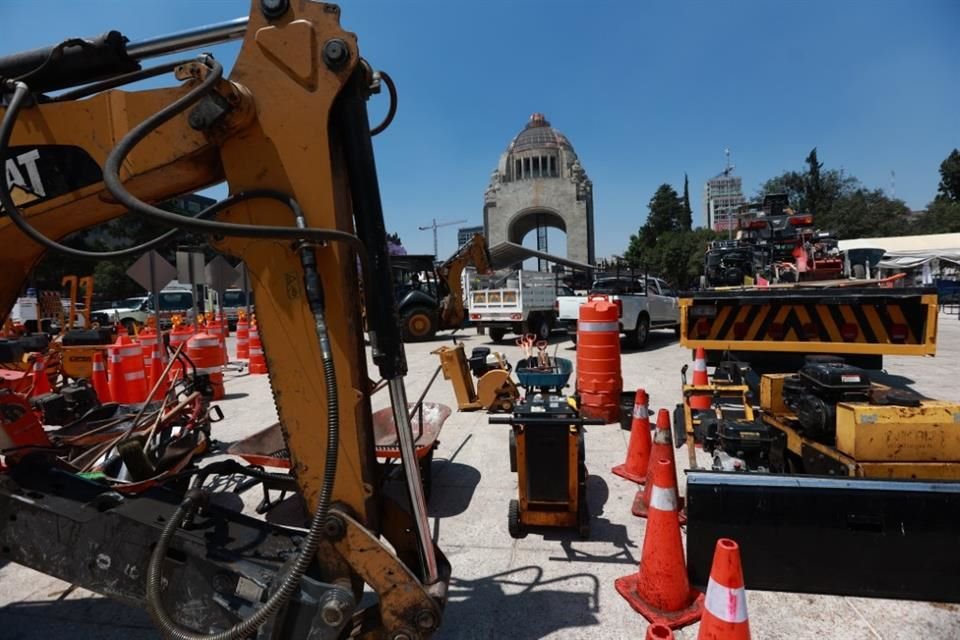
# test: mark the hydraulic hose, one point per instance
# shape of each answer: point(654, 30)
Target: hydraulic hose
point(20, 92)
point(305, 236)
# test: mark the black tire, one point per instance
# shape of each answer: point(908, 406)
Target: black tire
point(637, 339)
point(540, 327)
point(514, 526)
point(583, 507)
point(418, 323)
point(497, 333)
point(513, 452)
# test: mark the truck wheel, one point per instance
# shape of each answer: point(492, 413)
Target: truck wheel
point(497, 334)
point(637, 339)
point(514, 526)
point(418, 323)
point(542, 328)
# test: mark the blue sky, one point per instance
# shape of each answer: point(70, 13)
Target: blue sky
point(644, 90)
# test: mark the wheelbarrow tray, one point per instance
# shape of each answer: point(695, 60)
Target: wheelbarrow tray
point(556, 377)
point(269, 449)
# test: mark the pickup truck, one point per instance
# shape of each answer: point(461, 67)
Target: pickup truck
point(645, 304)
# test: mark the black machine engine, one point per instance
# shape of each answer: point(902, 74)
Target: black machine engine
point(70, 404)
point(813, 393)
point(728, 265)
point(737, 445)
point(482, 361)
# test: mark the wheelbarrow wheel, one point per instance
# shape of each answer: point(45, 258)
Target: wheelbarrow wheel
point(514, 526)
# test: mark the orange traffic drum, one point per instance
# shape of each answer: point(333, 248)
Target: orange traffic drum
point(599, 380)
point(204, 351)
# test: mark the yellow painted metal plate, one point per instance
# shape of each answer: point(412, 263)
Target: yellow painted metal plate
point(929, 433)
point(910, 470)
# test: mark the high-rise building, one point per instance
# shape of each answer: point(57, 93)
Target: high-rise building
point(465, 233)
point(722, 197)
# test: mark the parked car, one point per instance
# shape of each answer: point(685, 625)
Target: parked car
point(645, 304)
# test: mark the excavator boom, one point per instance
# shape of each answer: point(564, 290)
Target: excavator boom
point(288, 132)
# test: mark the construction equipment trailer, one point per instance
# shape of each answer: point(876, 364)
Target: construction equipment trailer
point(831, 480)
point(288, 132)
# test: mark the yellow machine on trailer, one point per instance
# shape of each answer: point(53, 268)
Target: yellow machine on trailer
point(835, 484)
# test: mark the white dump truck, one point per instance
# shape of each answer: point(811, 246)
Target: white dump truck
point(517, 302)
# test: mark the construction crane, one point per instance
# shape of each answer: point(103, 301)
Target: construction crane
point(436, 226)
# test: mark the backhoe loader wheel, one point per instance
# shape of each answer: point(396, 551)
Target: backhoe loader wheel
point(418, 323)
point(514, 526)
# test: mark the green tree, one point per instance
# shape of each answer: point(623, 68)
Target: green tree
point(813, 188)
point(942, 216)
point(866, 213)
point(686, 216)
point(950, 177)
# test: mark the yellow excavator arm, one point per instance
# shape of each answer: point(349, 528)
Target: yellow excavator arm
point(288, 132)
point(474, 252)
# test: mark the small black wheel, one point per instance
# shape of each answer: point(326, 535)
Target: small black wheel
point(637, 339)
point(513, 452)
point(514, 526)
point(497, 334)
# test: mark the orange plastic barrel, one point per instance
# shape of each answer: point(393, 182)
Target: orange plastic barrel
point(179, 335)
point(148, 342)
point(126, 376)
point(599, 380)
point(243, 337)
point(216, 328)
point(204, 350)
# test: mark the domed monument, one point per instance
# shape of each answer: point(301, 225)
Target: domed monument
point(539, 183)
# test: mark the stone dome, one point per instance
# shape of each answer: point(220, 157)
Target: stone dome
point(538, 134)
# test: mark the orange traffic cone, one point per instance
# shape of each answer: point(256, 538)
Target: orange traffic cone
point(638, 452)
point(38, 371)
point(258, 364)
point(98, 378)
point(659, 632)
point(660, 590)
point(725, 607)
point(700, 401)
point(662, 448)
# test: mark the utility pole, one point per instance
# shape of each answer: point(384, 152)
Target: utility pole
point(436, 225)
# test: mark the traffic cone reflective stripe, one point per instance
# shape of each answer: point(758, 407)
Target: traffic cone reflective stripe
point(663, 499)
point(659, 632)
point(660, 590)
point(662, 447)
point(725, 606)
point(638, 451)
point(98, 378)
point(700, 401)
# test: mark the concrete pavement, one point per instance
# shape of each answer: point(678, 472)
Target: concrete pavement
point(547, 585)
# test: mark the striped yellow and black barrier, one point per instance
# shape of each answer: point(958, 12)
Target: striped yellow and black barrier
point(857, 321)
